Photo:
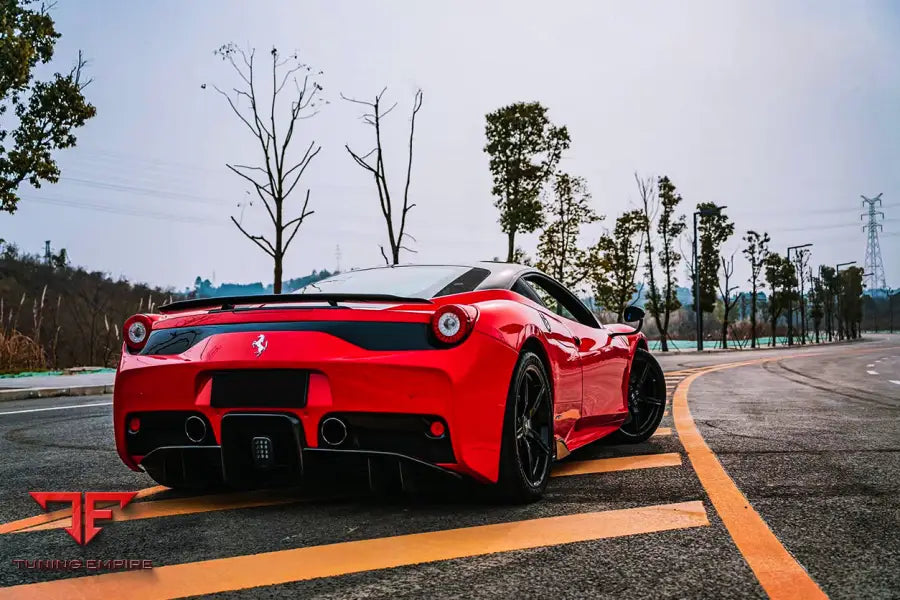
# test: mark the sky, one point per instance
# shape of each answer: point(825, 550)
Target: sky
point(785, 112)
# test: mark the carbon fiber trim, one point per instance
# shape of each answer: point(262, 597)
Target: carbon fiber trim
point(370, 335)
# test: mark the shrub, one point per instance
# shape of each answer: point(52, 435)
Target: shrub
point(18, 352)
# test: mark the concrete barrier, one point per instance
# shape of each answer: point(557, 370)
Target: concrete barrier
point(52, 392)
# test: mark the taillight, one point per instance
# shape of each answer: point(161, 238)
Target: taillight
point(452, 323)
point(136, 331)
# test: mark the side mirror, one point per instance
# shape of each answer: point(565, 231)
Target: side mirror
point(632, 314)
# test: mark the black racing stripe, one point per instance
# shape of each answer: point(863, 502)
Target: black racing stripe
point(370, 335)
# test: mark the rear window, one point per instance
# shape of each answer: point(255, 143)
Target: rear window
point(417, 281)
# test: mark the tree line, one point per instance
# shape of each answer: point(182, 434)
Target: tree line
point(58, 316)
point(643, 255)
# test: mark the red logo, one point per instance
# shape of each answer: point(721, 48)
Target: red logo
point(92, 514)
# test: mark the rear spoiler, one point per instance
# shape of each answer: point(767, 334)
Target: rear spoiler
point(229, 302)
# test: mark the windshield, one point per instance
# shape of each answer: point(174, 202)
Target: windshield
point(407, 281)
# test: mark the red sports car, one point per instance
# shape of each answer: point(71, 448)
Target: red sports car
point(489, 371)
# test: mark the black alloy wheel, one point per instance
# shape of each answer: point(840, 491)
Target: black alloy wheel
point(527, 453)
point(646, 399)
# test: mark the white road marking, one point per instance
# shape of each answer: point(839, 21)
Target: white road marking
point(870, 365)
point(872, 372)
point(33, 410)
point(897, 381)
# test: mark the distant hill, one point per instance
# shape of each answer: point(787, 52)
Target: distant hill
point(203, 288)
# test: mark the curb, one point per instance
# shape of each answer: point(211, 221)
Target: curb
point(733, 349)
point(76, 390)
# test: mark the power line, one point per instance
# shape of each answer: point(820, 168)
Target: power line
point(818, 227)
point(126, 211)
point(142, 190)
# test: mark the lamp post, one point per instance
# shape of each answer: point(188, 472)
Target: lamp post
point(837, 269)
point(891, 294)
point(789, 307)
point(705, 212)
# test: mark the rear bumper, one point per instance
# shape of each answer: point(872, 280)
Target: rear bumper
point(203, 466)
point(464, 387)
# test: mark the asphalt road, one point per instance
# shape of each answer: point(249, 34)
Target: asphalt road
point(809, 436)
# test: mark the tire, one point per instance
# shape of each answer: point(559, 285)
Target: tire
point(646, 400)
point(527, 450)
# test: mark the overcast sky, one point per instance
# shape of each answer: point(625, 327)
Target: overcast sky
point(784, 111)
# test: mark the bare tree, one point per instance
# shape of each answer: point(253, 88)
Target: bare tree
point(650, 207)
point(757, 251)
point(725, 290)
point(373, 115)
point(802, 262)
point(276, 177)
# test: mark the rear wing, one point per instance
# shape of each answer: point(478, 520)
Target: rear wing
point(229, 302)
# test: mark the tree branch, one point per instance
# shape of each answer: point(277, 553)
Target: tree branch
point(300, 173)
point(256, 239)
point(299, 221)
point(417, 104)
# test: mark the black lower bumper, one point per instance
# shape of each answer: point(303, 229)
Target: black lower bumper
point(268, 450)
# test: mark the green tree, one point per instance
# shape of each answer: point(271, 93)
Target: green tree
point(756, 252)
point(558, 253)
point(829, 296)
point(662, 299)
point(817, 303)
point(851, 289)
point(38, 117)
point(618, 257)
point(714, 230)
point(781, 279)
point(524, 149)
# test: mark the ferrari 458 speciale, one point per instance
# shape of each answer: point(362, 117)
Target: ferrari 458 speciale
point(490, 372)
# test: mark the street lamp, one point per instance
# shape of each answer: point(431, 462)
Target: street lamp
point(790, 310)
point(704, 212)
point(837, 269)
point(891, 294)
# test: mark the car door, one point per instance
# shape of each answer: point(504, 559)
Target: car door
point(603, 360)
point(564, 353)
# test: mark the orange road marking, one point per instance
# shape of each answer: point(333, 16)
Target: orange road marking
point(779, 573)
point(182, 506)
point(623, 463)
point(66, 513)
point(663, 432)
point(300, 564)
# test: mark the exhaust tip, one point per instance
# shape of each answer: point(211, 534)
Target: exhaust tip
point(195, 428)
point(334, 431)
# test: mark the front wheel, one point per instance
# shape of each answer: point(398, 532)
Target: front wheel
point(646, 400)
point(526, 454)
